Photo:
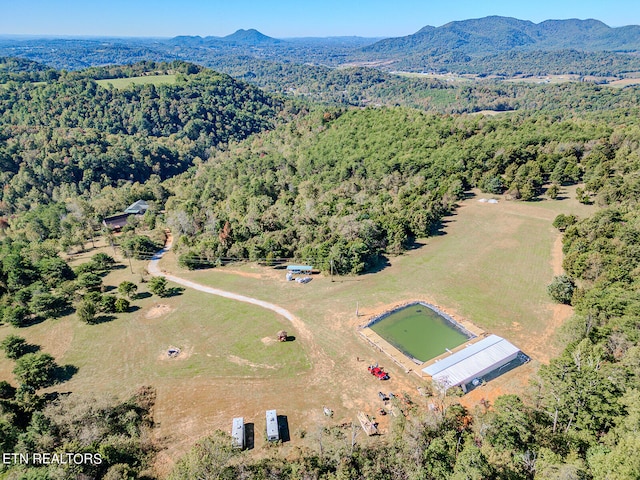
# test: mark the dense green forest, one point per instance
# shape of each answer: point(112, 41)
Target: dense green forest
point(70, 135)
point(347, 190)
point(240, 173)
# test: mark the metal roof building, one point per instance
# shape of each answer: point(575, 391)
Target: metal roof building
point(299, 268)
point(472, 362)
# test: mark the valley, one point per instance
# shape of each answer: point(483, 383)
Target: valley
point(501, 188)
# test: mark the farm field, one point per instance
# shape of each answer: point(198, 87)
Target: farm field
point(143, 80)
point(625, 82)
point(490, 265)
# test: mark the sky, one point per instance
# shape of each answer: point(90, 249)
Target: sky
point(284, 18)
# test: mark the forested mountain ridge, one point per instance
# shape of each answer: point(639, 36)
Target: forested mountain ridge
point(75, 135)
point(491, 35)
point(250, 37)
point(361, 87)
point(481, 46)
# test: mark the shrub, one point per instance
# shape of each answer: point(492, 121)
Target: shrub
point(561, 289)
point(35, 370)
point(86, 311)
point(17, 315)
point(121, 305)
point(158, 286)
point(562, 221)
point(108, 304)
point(14, 346)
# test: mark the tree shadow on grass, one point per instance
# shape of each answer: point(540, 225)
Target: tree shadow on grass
point(63, 373)
point(29, 322)
point(141, 296)
point(173, 292)
point(31, 348)
point(381, 263)
point(438, 229)
point(51, 396)
point(103, 319)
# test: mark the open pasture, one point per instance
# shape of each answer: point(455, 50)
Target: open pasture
point(490, 265)
point(121, 83)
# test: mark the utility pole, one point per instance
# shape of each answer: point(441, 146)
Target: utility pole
point(128, 255)
point(331, 268)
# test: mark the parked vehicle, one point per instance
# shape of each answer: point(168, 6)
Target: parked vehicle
point(376, 371)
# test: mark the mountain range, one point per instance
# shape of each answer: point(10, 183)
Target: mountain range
point(491, 45)
point(492, 35)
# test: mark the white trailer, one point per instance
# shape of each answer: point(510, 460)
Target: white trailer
point(273, 435)
point(237, 433)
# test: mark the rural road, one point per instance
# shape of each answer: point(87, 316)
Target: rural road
point(154, 270)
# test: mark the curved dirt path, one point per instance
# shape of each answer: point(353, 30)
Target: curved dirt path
point(154, 270)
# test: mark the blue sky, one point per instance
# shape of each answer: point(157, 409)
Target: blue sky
point(284, 18)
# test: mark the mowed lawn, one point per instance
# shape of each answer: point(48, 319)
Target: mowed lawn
point(142, 80)
point(217, 337)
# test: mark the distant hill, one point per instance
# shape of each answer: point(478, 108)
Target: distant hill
point(493, 35)
point(250, 37)
point(488, 46)
point(240, 38)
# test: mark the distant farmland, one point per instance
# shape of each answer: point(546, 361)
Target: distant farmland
point(144, 80)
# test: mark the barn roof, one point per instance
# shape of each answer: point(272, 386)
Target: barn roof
point(138, 207)
point(116, 221)
point(472, 361)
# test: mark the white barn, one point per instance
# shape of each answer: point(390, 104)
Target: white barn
point(472, 362)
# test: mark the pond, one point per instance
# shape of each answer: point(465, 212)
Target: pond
point(420, 331)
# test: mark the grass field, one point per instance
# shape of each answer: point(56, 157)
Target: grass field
point(490, 265)
point(143, 80)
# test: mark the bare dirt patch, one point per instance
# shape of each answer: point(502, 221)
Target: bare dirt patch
point(158, 311)
point(245, 362)
point(185, 352)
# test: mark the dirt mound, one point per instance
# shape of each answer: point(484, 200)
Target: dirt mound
point(158, 310)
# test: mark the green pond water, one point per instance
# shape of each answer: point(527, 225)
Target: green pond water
point(419, 332)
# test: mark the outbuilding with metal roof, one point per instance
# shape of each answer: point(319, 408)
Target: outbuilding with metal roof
point(472, 362)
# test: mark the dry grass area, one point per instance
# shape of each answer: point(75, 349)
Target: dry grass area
point(625, 82)
point(490, 266)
